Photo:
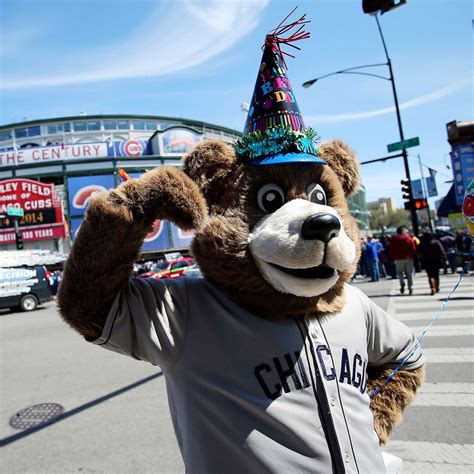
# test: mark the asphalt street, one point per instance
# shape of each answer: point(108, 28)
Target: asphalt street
point(115, 415)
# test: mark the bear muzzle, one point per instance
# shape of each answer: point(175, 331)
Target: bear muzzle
point(301, 248)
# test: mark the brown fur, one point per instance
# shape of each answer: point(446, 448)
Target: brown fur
point(388, 404)
point(343, 162)
point(220, 245)
point(110, 237)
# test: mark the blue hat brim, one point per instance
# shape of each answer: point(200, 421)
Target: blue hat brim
point(287, 158)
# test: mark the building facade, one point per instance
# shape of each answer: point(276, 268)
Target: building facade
point(384, 205)
point(80, 155)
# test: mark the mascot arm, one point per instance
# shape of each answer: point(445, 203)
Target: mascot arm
point(390, 342)
point(111, 235)
point(388, 404)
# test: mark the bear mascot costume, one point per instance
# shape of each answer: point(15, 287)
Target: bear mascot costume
point(269, 359)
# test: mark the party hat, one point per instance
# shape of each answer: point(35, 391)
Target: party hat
point(274, 131)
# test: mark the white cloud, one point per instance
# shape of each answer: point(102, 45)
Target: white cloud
point(424, 99)
point(186, 34)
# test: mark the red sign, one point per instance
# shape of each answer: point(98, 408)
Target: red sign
point(43, 214)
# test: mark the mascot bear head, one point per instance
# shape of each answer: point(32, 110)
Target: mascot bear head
point(278, 238)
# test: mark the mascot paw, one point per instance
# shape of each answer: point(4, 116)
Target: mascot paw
point(388, 404)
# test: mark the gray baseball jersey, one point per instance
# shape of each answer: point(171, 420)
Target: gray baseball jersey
point(247, 394)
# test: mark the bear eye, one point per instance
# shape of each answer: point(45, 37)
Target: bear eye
point(316, 194)
point(270, 197)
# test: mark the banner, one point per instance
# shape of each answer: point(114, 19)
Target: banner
point(50, 154)
point(76, 151)
point(43, 213)
point(462, 157)
point(130, 148)
point(80, 190)
point(417, 189)
point(178, 141)
point(431, 186)
point(156, 240)
point(181, 238)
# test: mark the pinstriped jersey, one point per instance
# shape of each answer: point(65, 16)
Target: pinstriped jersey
point(248, 394)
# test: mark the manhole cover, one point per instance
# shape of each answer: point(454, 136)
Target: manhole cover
point(35, 415)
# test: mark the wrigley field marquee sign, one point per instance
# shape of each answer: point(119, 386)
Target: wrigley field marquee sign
point(42, 217)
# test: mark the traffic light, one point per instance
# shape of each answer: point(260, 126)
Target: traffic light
point(19, 241)
point(420, 204)
point(406, 189)
point(384, 6)
point(416, 204)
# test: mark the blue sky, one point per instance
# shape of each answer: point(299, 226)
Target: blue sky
point(198, 59)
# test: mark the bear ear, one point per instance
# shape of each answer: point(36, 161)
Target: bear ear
point(342, 160)
point(209, 164)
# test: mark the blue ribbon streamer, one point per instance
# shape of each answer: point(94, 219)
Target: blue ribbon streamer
point(420, 339)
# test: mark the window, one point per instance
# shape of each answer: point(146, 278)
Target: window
point(123, 124)
point(138, 125)
point(178, 265)
point(80, 126)
point(151, 125)
point(93, 125)
point(165, 125)
point(110, 125)
point(5, 135)
point(86, 126)
point(54, 128)
point(27, 132)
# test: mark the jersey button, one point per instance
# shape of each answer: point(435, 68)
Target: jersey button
point(314, 335)
point(333, 401)
point(347, 458)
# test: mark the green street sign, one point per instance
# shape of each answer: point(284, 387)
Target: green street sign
point(15, 212)
point(403, 144)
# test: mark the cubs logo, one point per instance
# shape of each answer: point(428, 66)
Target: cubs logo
point(82, 197)
point(156, 232)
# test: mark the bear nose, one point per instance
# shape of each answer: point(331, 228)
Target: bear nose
point(322, 226)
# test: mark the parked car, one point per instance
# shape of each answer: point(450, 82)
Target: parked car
point(172, 269)
point(24, 287)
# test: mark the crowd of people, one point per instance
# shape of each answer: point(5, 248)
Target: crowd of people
point(402, 255)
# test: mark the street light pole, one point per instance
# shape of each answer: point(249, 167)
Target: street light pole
point(414, 217)
point(404, 154)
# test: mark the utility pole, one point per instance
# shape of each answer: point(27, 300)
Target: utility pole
point(414, 217)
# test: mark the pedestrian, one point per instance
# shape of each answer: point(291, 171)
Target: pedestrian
point(463, 248)
point(389, 265)
point(372, 258)
point(449, 244)
point(416, 262)
point(432, 256)
point(402, 252)
point(362, 265)
point(382, 257)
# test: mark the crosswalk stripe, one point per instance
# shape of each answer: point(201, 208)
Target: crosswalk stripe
point(447, 388)
point(445, 330)
point(429, 316)
point(449, 455)
point(449, 355)
point(430, 468)
point(434, 305)
point(434, 309)
point(446, 395)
